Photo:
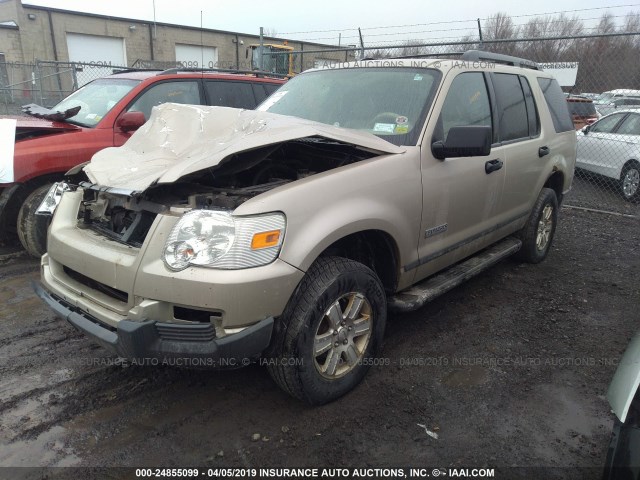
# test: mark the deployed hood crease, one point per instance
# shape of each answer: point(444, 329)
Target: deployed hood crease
point(182, 139)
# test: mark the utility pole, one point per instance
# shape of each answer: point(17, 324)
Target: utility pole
point(361, 43)
point(480, 33)
point(261, 49)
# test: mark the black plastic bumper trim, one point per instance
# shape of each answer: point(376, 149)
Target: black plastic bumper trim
point(141, 340)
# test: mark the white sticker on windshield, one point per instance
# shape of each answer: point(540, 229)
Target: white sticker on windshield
point(269, 102)
point(7, 143)
point(384, 127)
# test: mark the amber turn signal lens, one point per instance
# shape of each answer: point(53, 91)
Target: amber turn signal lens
point(265, 239)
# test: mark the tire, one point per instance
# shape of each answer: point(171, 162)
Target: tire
point(537, 234)
point(11, 201)
point(630, 182)
point(32, 228)
point(315, 319)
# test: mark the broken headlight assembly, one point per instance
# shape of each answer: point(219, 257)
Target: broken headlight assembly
point(52, 198)
point(217, 239)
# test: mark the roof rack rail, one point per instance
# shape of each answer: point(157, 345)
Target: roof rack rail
point(478, 55)
point(257, 73)
point(129, 70)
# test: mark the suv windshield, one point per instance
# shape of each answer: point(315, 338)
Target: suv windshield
point(95, 99)
point(388, 102)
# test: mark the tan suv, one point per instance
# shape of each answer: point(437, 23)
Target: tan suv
point(217, 236)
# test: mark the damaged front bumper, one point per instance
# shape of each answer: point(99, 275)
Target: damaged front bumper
point(150, 341)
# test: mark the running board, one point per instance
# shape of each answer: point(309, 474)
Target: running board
point(418, 295)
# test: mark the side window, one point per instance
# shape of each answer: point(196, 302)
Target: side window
point(230, 94)
point(175, 92)
point(630, 126)
point(263, 90)
point(512, 110)
point(607, 124)
point(270, 87)
point(467, 103)
point(557, 104)
point(532, 108)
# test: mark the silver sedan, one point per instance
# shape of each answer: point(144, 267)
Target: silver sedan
point(611, 147)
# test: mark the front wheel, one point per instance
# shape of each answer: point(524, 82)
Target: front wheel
point(32, 228)
point(329, 332)
point(630, 182)
point(537, 234)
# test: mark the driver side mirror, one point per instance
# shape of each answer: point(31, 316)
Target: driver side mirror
point(466, 141)
point(130, 121)
point(586, 129)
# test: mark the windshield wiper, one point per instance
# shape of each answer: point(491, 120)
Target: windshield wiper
point(54, 115)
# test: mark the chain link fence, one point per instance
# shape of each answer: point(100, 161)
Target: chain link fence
point(603, 97)
point(601, 77)
point(45, 83)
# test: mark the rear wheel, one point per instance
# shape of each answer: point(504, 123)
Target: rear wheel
point(537, 234)
point(32, 228)
point(332, 327)
point(630, 182)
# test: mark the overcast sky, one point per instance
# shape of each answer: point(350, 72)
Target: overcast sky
point(286, 17)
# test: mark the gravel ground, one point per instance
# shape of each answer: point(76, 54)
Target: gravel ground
point(508, 370)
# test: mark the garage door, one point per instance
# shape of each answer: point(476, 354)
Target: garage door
point(195, 56)
point(102, 53)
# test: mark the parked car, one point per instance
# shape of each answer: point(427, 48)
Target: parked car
point(623, 455)
point(611, 147)
point(619, 103)
point(219, 236)
point(103, 113)
point(610, 95)
point(582, 110)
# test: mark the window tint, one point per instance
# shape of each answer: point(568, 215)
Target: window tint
point(532, 109)
point(270, 87)
point(231, 94)
point(557, 104)
point(512, 110)
point(263, 90)
point(582, 109)
point(467, 103)
point(607, 124)
point(175, 92)
point(630, 126)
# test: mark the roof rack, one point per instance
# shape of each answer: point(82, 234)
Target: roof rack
point(478, 55)
point(130, 70)
point(257, 73)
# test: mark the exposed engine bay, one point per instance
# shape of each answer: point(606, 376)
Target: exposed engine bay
point(127, 217)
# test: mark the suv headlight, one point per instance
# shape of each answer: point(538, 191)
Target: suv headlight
point(219, 240)
point(52, 198)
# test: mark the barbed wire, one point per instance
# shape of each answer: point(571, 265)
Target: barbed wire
point(470, 30)
point(474, 20)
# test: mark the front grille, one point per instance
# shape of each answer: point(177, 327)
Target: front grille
point(129, 227)
point(178, 332)
point(95, 285)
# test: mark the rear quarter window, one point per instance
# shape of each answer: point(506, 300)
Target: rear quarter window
point(557, 104)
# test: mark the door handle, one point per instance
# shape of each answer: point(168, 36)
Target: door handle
point(492, 166)
point(542, 151)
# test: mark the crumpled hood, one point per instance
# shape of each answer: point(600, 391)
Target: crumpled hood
point(182, 139)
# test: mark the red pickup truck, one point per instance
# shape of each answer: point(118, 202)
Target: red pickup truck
point(103, 113)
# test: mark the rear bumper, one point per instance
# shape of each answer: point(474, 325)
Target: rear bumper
point(149, 342)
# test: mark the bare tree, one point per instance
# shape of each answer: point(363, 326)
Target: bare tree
point(270, 32)
point(500, 27)
point(411, 48)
